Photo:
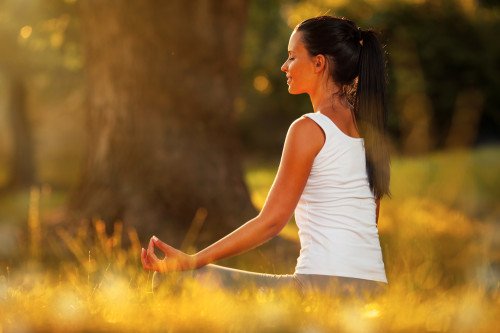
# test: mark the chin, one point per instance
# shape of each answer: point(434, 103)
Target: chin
point(292, 91)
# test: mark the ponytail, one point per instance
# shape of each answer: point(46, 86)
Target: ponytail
point(357, 54)
point(371, 112)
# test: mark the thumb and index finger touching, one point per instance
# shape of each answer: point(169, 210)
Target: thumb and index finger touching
point(164, 247)
point(148, 256)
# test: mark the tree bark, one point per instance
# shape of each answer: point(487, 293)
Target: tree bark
point(22, 164)
point(162, 79)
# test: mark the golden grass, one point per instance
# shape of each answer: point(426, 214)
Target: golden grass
point(442, 261)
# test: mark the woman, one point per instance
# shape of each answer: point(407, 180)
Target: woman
point(333, 172)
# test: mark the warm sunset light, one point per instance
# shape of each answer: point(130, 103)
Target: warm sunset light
point(261, 83)
point(304, 166)
point(25, 32)
point(372, 310)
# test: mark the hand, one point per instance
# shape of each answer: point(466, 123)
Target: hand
point(174, 260)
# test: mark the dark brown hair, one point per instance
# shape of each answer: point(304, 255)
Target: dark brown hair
point(359, 66)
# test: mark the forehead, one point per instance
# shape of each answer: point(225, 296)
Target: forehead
point(295, 43)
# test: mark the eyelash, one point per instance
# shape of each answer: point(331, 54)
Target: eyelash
point(291, 58)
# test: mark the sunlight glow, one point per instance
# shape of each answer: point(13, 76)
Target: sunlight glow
point(68, 306)
point(372, 310)
point(25, 32)
point(261, 83)
point(56, 40)
point(3, 288)
point(34, 223)
point(429, 242)
point(353, 320)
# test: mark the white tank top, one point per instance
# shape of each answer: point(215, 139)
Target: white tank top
point(336, 213)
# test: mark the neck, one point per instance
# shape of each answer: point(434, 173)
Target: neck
point(324, 96)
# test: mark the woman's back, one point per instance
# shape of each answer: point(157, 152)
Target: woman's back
point(336, 213)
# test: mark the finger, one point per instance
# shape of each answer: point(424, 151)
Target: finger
point(151, 246)
point(151, 257)
point(151, 251)
point(165, 248)
point(144, 260)
point(152, 262)
point(144, 255)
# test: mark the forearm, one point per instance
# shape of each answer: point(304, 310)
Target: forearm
point(248, 236)
point(304, 140)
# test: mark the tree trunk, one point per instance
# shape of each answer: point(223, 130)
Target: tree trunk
point(22, 165)
point(162, 79)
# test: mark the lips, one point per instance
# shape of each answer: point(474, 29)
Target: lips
point(289, 79)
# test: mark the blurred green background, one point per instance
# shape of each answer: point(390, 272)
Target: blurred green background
point(120, 119)
point(443, 61)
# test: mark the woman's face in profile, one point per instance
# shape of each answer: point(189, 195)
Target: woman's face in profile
point(299, 67)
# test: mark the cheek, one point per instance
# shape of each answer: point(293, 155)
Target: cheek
point(297, 73)
point(294, 72)
point(297, 69)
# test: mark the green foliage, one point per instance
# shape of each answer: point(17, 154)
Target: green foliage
point(266, 114)
point(438, 52)
point(455, 52)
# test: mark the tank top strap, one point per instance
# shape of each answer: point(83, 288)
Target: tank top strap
point(322, 121)
point(330, 128)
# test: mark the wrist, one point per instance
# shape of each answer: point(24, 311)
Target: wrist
point(199, 261)
point(195, 260)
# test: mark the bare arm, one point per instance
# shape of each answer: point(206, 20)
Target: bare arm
point(303, 142)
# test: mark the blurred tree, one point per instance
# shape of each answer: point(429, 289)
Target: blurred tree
point(489, 3)
point(162, 81)
point(34, 39)
point(22, 165)
point(13, 60)
point(453, 60)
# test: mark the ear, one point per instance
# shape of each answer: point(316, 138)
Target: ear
point(319, 63)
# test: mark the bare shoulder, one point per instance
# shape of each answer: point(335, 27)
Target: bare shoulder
point(306, 126)
point(306, 132)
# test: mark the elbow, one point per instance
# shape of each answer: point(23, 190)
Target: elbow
point(275, 223)
point(278, 227)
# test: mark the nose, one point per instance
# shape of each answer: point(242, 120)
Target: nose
point(284, 67)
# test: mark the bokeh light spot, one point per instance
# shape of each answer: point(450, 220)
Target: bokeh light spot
point(261, 83)
point(26, 31)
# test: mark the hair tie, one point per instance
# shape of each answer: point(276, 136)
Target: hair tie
point(360, 31)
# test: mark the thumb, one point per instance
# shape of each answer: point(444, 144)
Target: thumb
point(165, 248)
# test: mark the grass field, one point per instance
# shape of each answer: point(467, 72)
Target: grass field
point(439, 234)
